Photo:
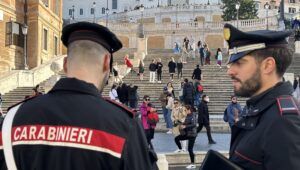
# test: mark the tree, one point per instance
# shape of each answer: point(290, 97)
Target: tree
point(247, 9)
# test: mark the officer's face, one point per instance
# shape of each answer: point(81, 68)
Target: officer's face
point(246, 76)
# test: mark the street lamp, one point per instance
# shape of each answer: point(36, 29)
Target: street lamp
point(237, 7)
point(267, 6)
point(142, 8)
point(25, 31)
point(107, 12)
point(94, 11)
point(73, 12)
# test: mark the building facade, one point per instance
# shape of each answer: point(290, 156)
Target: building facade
point(44, 21)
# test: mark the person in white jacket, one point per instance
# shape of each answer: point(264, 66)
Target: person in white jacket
point(113, 94)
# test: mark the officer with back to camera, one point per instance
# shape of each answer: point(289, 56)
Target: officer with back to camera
point(267, 136)
point(73, 127)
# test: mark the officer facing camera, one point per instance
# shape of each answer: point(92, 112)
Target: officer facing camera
point(267, 135)
point(73, 127)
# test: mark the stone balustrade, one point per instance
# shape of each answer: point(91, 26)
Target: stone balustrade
point(28, 78)
point(252, 24)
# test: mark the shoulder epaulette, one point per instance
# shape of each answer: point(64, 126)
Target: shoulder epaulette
point(23, 101)
point(132, 113)
point(287, 106)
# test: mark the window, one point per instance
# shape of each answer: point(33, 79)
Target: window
point(92, 11)
point(70, 12)
point(169, 2)
point(114, 4)
point(81, 11)
point(103, 10)
point(45, 39)
point(55, 45)
point(292, 1)
point(292, 10)
point(14, 35)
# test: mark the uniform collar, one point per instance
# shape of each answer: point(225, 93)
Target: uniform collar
point(262, 101)
point(73, 84)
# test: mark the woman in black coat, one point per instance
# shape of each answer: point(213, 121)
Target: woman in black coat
point(296, 82)
point(172, 67)
point(203, 118)
point(188, 132)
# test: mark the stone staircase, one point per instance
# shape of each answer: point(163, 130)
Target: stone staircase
point(215, 81)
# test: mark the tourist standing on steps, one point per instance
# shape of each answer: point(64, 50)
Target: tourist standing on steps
point(152, 69)
point(128, 63)
point(180, 91)
point(203, 118)
point(169, 106)
point(133, 96)
point(189, 132)
point(296, 86)
point(123, 94)
point(188, 93)
point(170, 89)
point(159, 67)
point(201, 52)
point(84, 130)
point(207, 54)
point(172, 67)
point(178, 118)
point(113, 93)
point(141, 70)
point(219, 57)
point(163, 101)
point(232, 112)
point(197, 73)
point(179, 66)
point(117, 78)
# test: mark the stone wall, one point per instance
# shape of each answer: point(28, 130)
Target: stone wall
point(28, 78)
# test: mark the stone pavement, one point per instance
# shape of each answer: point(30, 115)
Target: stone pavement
point(164, 143)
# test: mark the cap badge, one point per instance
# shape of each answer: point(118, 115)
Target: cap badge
point(226, 33)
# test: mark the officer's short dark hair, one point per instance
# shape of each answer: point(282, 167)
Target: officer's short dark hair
point(283, 57)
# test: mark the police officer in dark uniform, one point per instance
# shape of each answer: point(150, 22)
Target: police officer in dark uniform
point(73, 127)
point(268, 135)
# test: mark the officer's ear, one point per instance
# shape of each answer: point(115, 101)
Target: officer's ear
point(65, 65)
point(106, 63)
point(268, 65)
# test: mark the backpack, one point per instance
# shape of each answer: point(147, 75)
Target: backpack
point(200, 88)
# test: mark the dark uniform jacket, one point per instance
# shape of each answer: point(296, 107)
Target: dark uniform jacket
point(203, 114)
point(73, 128)
point(267, 137)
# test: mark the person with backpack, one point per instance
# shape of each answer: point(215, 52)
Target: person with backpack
point(198, 92)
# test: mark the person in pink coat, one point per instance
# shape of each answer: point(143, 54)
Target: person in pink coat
point(145, 109)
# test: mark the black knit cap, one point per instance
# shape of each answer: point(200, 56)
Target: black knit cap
point(93, 32)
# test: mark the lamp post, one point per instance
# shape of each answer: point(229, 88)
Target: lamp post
point(177, 25)
point(267, 6)
point(142, 8)
point(25, 31)
point(107, 12)
point(73, 13)
point(237, 7)
point(94, 11)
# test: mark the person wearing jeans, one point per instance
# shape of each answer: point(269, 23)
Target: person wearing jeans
point(189, 129)
point(152, 69)
point(170, 105)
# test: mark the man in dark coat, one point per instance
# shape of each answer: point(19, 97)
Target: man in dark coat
point(73, 127)
point(197, 73)
point(133, 96)
point(203, 118)
point(123, 93)
point(188, 93)
point(267, 135)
